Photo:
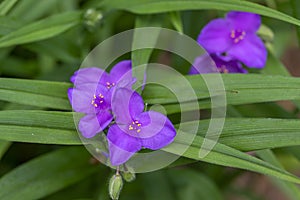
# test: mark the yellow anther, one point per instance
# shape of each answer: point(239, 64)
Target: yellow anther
point(138, 124)
point(232, 35)
point(139, 130)
point(96, 105)
point(94, 96)
point(236, 40)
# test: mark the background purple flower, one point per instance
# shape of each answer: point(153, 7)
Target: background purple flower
point(236, 36)
point(134, 128)
point(213, 63)
point(120, 74)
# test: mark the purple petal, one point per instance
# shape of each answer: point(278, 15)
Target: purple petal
point(203, 64)
point(251, 51)
point(244, 21)
point(159, 131)
point(118, 156)
point(126, 104)
point(81, 97)
point(89, 75)
point(225, 64)
point(121, 145)
point(214, 36)
point(92, 124)
point(122, 70)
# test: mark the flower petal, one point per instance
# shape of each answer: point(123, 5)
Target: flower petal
point(203, 64)
point(122, 70)
point(121, 145)
point(81, 100)
point(81, 97)
point(126, 104)
point(89, 75)
point(92, 124)
point(225, 64)
point(214, 36)
point(251, 51)
point(118, 156)
point(158, 133)
point(245, 21)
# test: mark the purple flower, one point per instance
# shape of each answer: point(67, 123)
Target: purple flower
point(135, 129)
point(214, 63)
point(92, 95)
point(95, 101)
point(120, 74)
point(236, 36)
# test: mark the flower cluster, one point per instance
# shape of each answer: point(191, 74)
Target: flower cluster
point(108, 101)
point(230, 42)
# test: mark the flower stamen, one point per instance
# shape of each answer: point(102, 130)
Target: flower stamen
point(109, 85)
point(237, 35)
point(99, 99)
point(135, 126)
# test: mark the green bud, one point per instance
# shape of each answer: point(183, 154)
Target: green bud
point(115, 186)
point(92, 18)
point(128, 176)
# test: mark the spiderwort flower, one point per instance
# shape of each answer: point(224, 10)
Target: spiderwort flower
point(92, 95)
point(135, 129)
point(214, 63)
point(236, 36)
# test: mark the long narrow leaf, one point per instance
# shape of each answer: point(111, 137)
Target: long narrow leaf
point(46, 174)
point(160, 6)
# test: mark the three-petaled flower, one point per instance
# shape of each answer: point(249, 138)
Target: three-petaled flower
point(236, 37)
point(92, 95)
point(213, 64)
point(135, 129)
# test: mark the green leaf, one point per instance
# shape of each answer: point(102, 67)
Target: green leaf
point(47, 94)
point(226, 156)
point(43, 29)
point(51, 88)
point(46, 174)
point(4, 145)
point(6, 6)
point(140, 57)
point(289, 188)
point(245, 134)
point(176, 21)
point(160, 6)
point(34, 99)
point(240, 89)
point(44, 127)
point(254, 134)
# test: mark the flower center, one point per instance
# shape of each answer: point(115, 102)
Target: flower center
point(98, 100)
point(237, 35)
point(109, 85)
point(135, 126)
point(223, 69)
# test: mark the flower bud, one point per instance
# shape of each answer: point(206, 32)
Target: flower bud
point(128, 176)
point(92, 18)
point(115, 186)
